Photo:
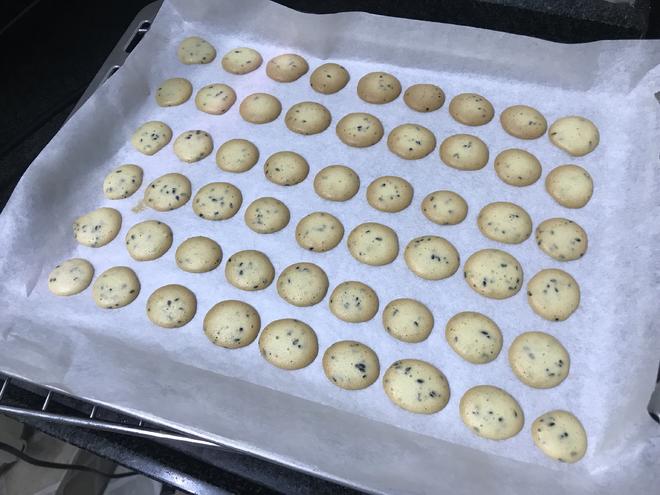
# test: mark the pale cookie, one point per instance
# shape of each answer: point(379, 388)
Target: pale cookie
point(493, 273)
point(411, 141)
point(115, 288)
point(217, 201)
point(249, 270)
point(444, 207)
point(464, 152)
point(193, 146)
point(471, 109)
point(336, 183)
point(353, 302)
point(148, 240)
point(562, 239)
point(359, 130)
point(351, 365)
point(171, 306)
point(241, 60)
point(390, 194)
point(173, 92)
point(378, 87)
point(97, 228)
point(122, 182)
point(195, 50)
point(474, 337)
point(215, 99)
point(523, 122)
point(373, 243)
point(70, 277)
point(408, 320)
point(151, 137)
point(431, 257)
point(286, 168)
point(329, 78)
point(517, 167)
point(560, 436)
point(260, 108)
point(570, 186)
point(491, 413)
point(319, 232)
point(287, 67)
point(302, 284)
point(232, 324)
point(553, 294)
point(505, 222)
point(237, 155)
point(288, 344)
point(267, 215)
point(168, 192)
point(198, 255)
point(307, 118)
point(416, 386)
point(577, 136)
point(539, 360)
point(424, 97)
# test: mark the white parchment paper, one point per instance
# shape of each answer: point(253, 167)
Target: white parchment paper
point(176, 376)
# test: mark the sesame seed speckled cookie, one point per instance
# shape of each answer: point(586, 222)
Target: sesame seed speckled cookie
point(288, 344)
point(491, 413)
point(307, 117)
point(122, 182)
point(232, 324)
point(411, 141)
point(237, 155)
point(424, 97)
point(373, 243)
point(517, 167)
point(562, 239)
point(353, 302)
point(336, 183)
point(241, 60)
point(390, 194)
point(217, 201)
point(444, 207)
point(329, 78)
point(378, 88)
point(286, 168)
point(416, 386)
point(493, 273)
point(168, 192)
point(351, 365)
point(267, 215)
point(577, 136)
point(97, 228)
point(408, 320)
point(198, 254)
point(474, 337)
point(359, 130)
point(173, 92)
point(287, 67)
point(260, 108)
point(149, 240)
point(431, 257)
point(464, 152)
point(215, 99)
point(151, 137)
point(523, 122)
point(560, 436)
point(302, 284)
point(171, 306)
point(471, 109)
point(115, 288)
point(193, 146)
point(570, 186)
point(539, 360)
point(195, 50)
point(319, 231)
point(249, 270)
point(505, 222)
point(553, 294)
point(70, 277)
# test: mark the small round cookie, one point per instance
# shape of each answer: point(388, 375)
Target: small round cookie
point(424, 97)
point(198, 255)
point(173, 92)
point(336, 183)
point(523, 122)
point(464, 152)
point(493, 273)
point(560, 435)
point(390, 194)
point(351, 365)
point(171, 306)
point(249, 270)
point(373, 244)
point(241, 60)
point(408, 320)
point(319, 231)
point(505, 222)
point(553, 294)
point(267, 215)
point(517, 167)
point(115, 288)
point(215, 98)
point(491, 413)
point(471, 109)
point(474, 337)
point(287, 67)
point(539, 360)
point(70, 277)
point(288, 344)
point(237, 155)
point(378, 88)
point(232, 324)
point(260, 108)
point(195, 50)
point(168, 192)
point(444, 207)
point(329, 78)
point(151, 137)
point(97, 228)
point(577, 136)
point(416, 386)
point(146, 241)
point(411, 141)
point(302, 284)
point(122, 182)
point(286, 168)
point(570, 186)
point(193, 146)
point(359, 130)
point(353, 302)
point(307, 118)
point(562, 239)
point(217, 201)
point(431, 257)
